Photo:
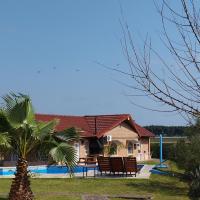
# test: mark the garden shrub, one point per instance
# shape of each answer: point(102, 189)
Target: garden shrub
point(194, 189)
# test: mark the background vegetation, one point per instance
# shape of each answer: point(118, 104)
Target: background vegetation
point(167, 130)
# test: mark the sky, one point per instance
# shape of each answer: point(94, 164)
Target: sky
point(49, 50)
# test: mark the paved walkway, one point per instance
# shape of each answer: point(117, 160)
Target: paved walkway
point(143, 174)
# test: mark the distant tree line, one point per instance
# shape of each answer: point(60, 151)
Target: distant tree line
point(168, 130)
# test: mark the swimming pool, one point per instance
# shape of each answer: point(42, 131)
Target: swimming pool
point(41, 169)
point(48, 169)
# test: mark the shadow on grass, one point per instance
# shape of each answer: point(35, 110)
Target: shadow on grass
point(169, 188)
point(3, 198)
point(180, 176)
point(171, 173)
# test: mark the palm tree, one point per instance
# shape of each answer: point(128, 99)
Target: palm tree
point(20, 132)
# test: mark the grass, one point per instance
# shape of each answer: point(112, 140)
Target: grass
point(159, 186)
point(150, 162)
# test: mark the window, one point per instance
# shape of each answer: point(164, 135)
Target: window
point(130, 148)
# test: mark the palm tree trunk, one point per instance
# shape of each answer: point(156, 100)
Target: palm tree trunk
point(20, 188)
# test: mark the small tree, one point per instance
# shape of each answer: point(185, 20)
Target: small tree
point(194, 191)
point(20, 132)
point(188, 151)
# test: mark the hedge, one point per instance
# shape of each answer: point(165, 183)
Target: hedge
point(169, 150)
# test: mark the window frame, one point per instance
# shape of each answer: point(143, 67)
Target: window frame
point(132, 148)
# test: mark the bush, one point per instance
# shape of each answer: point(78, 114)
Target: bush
point(194, 189)
point(187, 154)
point(187, 158)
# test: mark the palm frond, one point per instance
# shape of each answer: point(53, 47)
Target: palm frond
point(43, 129)
point(18, 109)
point(68, 135)
point(4, 124)
point(64, 153)
point(30, 115)
point(5, 140)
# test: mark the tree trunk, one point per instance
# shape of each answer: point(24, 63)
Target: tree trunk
point(20, 188)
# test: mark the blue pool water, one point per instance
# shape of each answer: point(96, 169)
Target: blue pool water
point(53, 169)
point(45, 169)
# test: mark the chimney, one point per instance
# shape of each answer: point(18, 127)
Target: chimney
point(95, 125)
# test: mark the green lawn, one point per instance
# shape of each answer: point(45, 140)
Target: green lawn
point(161, 187)
point(150, 162)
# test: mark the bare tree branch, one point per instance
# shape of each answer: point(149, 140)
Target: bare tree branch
point(180, 86)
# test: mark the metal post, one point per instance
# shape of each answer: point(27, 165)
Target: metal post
point(161, 165)
point(161, 149)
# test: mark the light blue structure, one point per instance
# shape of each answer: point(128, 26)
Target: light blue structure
point(161, 149)
point(161, 165)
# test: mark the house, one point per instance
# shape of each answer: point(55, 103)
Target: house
point(98, 133)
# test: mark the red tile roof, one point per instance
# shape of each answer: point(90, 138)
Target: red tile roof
point(143, 132)
point(66, 122)
point(94, 126)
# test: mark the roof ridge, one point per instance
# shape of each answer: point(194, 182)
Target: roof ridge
point(62, 115)
point(59, 115)
point(106, 115)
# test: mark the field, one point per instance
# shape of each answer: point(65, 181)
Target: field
point(160, 187)
point(168, 139)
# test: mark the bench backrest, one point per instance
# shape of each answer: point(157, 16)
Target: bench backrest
point(116, 164)
point(130, 164)
point(104, 164)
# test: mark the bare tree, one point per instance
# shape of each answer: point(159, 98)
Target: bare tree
point(179, 87)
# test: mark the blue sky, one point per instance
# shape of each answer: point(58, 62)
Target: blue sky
point(48, 50)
